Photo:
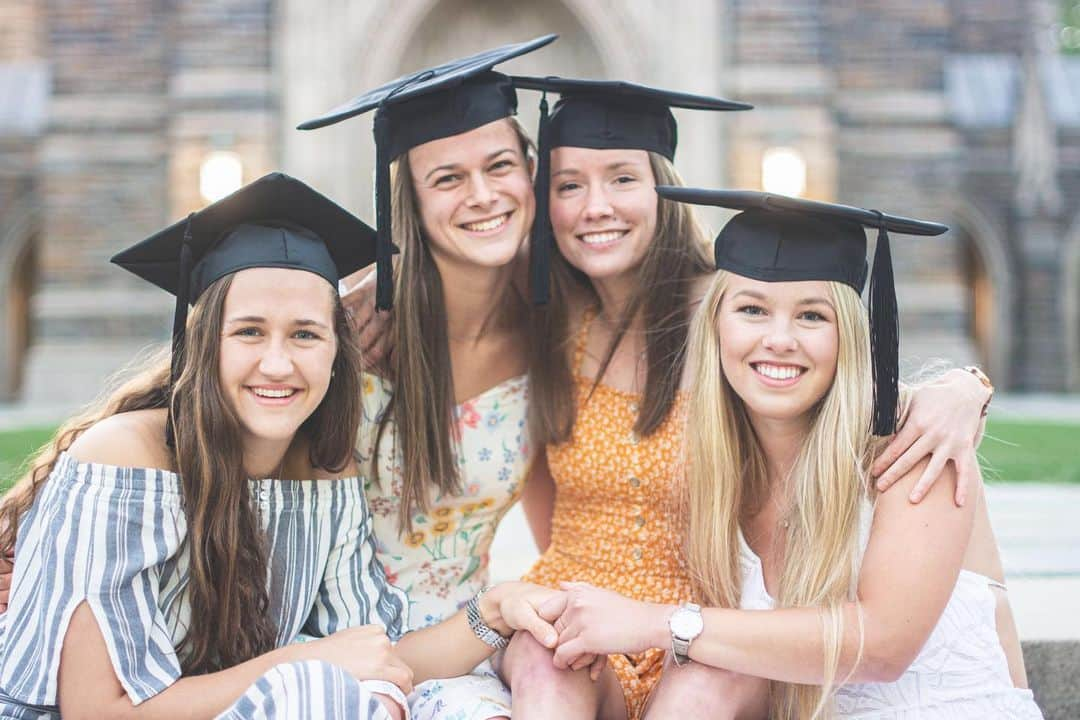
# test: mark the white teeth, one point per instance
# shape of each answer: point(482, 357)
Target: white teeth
point(777, 372)
point(268, 393)
point(600, 238)
point(486, 224)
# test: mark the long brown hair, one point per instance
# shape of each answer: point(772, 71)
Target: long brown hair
point(421, 404)
point(228, 566)
point(675, 257)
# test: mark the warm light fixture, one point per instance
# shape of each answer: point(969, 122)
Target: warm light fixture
point(220, 174)
point(783, 171)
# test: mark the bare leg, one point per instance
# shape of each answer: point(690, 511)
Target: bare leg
point(697, 690)
point(540, 690)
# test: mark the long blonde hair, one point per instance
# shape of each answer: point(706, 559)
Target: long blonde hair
point(727, 481)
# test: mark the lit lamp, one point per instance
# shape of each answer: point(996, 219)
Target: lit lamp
point(220, 174)
point(783, 171)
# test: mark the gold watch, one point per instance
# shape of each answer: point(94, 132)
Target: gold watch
point(982, 378)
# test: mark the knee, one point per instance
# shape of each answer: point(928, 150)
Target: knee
point(713, 691)
point(528, 664)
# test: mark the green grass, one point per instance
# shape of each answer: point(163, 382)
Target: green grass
point(1011, 451)
point(15, 447)
point(1031, 452)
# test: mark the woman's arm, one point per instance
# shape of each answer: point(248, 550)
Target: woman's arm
point(908, 573)
point(944, 422)
point(451, 648)
point(538, 499)
point(89, 687)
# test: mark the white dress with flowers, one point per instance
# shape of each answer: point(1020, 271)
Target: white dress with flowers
point(444, 561)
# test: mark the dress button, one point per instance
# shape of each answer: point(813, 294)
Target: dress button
point(633, 407)
point(633, 439)
point(639, 521)
point(637, 553)
point(635, 482)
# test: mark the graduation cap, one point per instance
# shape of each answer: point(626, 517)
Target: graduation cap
point(440, 102)
point(276, 221)
point(781, 239)
point(601, 115)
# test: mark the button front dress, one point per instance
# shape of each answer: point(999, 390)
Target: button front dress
point(113, 537)
point(614, 524)
point(443, 562)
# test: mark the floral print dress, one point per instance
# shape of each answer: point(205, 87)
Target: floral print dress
point(443, 562)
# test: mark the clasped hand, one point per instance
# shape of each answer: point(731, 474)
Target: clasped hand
point(593, 623)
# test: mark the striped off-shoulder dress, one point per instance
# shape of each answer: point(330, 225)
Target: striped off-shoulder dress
point(113, 537)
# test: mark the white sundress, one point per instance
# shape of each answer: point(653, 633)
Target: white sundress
point(444, 561)
point(961, 673)
point(113, 537)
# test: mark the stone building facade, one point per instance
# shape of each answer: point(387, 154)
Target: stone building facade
point(958, 110)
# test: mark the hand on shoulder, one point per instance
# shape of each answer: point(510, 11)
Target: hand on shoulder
point(131, 439)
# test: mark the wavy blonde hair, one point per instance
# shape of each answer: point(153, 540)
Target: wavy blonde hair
point(727, 481)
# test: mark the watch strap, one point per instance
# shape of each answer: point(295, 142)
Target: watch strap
point(476, 623)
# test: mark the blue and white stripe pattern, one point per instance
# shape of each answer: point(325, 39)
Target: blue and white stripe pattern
point(112, 537)
point(312, 690)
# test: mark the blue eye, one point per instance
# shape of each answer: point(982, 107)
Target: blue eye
point(751, 310)
point(306, 335)
point(813, 316)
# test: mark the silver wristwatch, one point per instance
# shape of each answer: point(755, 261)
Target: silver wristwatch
point(479, 627)
point(685, 625)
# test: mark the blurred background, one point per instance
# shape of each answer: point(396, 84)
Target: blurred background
point(119, 116)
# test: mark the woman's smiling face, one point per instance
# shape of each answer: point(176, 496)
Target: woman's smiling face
point(603, 209)
point(474, 193)
point(778, 344)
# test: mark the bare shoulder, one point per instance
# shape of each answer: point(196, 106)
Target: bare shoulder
point(131, 439)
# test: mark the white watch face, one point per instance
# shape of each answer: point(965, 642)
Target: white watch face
point(686, 624)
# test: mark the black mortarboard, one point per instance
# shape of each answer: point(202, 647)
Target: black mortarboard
point(276, 221)
point(601, 115)
point(447, 100)
point(778, 238)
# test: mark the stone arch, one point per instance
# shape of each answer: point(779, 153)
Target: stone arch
point(1070, 298)
point(375, 44)
point(988, 242)
point(18, 270)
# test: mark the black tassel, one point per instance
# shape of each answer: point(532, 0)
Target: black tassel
point(384, 245)
point(179, 332)
point(541, 239)
point(884, 336)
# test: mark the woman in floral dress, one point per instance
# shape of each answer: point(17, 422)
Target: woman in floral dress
point(445, 448)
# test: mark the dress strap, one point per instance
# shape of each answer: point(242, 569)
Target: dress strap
point(587, 318)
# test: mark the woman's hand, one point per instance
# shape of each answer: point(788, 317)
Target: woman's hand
point(364, 652)
point(372, 327)
point(512, 606)
point(943, 422)
point(601, 622)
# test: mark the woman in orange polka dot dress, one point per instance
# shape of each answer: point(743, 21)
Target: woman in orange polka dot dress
point(623, 281)
point(612, 524)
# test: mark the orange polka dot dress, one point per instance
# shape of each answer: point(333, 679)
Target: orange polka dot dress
point(613, 525)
